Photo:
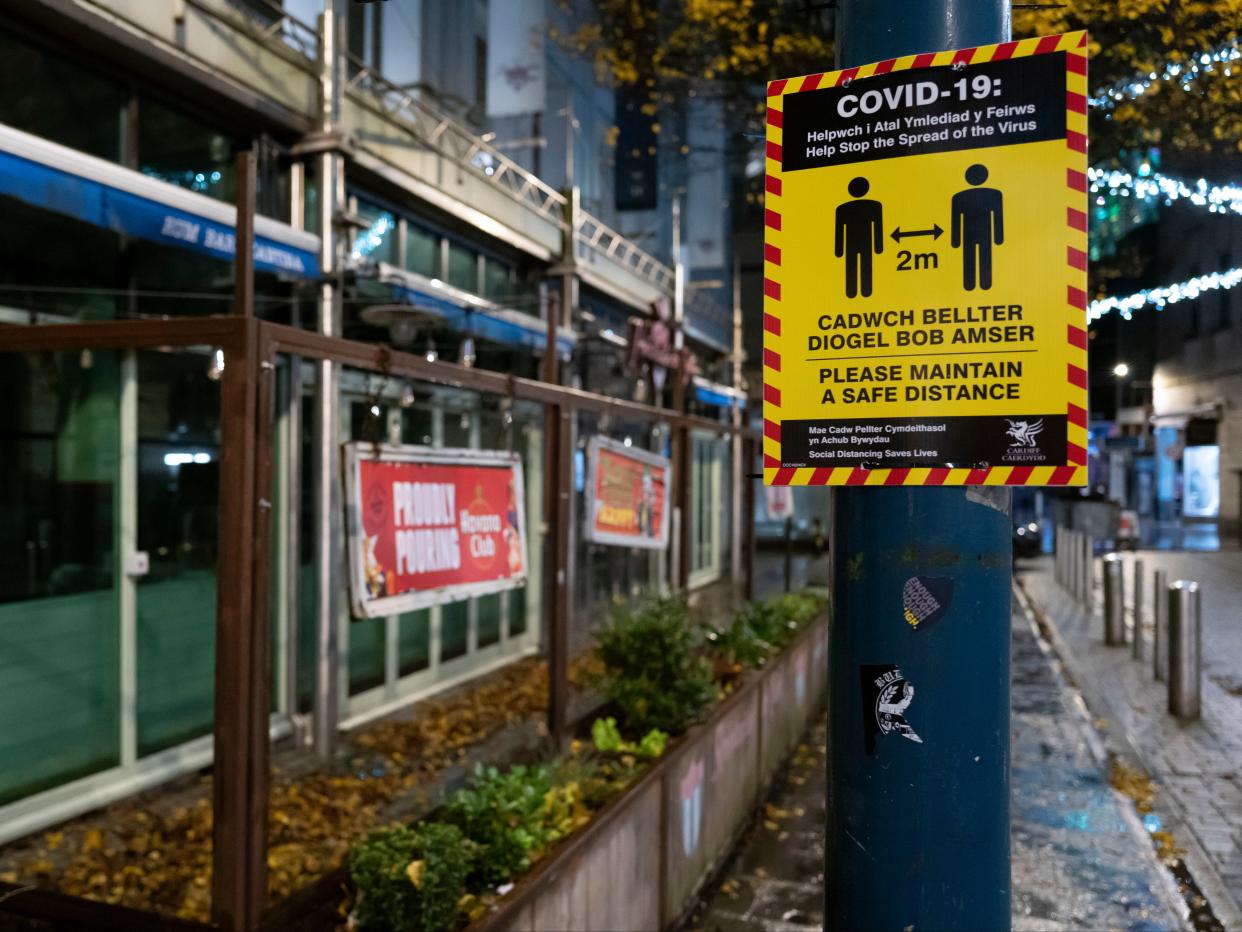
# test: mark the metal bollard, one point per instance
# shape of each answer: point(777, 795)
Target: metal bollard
point(1056, 555)
point(1088, 571)
point(1076, 556)
point(1184, 655)
point(1114, 601)
point(1160, 626)
point(1136, 610)
point(1079, 573)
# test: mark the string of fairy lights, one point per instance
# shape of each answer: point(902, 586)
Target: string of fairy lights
point(1150, 187)
point(1183, 73)
point(1164, 295)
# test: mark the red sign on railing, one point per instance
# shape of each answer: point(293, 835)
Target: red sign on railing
point(431, 526)
point(627, 495)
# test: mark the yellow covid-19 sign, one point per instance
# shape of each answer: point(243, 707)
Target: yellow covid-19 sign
point(925, 270)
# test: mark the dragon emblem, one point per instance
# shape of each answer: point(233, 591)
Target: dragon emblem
point(1024, 433)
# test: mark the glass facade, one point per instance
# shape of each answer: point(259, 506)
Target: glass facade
point(59, 631)
point(60, 100)
point(178, 458)
point(108, 455)
point(462, 267)
point(428, 646)
point(422, 251)
point(179, 149)
point(607, 575)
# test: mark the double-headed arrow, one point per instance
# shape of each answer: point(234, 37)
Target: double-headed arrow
point(934, 233)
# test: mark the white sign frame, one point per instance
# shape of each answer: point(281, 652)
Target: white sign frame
point(355, 454)
point(608, 538)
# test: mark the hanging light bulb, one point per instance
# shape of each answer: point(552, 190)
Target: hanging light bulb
point(215, 365)
point(466, 355)
point(86, 360)
point(407, 395)
point(431, 354)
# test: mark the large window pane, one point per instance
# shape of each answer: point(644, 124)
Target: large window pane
point(58, 265)
point(176, 148)
point(454, 626)
point(59, 628)
point(489, 619)
point(178, 494)
point(517, 607)
point(366, 635)
point(48, 95)
point(413, 641)
point(463, 268)
point(422, 251)
point(497, 281)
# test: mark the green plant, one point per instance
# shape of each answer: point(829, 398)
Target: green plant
point(799, 607)
point(410, 880)
point(652, 744)
point(760, 630)
point(654, 671)
point(502, 812)
point(607, 737)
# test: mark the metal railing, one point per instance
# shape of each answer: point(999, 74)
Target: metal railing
point(271, 22)
point(453, 141)
point(598, 236)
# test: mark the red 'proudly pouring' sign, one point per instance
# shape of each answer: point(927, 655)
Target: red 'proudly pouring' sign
point(432, 526)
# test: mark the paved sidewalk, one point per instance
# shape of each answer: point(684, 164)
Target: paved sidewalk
point(1195, 765)
point(1080, 857)
point(775, 880)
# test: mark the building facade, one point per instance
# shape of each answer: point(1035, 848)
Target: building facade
point(392, 207)
point(1197, 381)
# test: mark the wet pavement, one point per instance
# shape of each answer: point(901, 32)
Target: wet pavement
point(1081, 859)
point(775, 879)
point(1194, 765)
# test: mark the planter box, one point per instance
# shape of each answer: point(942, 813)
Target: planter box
point(642, 860)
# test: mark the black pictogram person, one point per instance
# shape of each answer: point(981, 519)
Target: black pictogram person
point(978, 224)
point(860, 232)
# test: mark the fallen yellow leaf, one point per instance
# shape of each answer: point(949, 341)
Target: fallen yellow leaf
point(415, 873)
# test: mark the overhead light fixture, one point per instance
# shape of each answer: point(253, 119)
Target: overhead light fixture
point(403, 321)
point(1121, 370)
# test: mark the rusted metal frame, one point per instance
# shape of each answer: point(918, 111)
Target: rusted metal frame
point(219, 331)
point(376, 357)
point(65, 911)
point(558, 486)
point(682, 480)
point(260, 637)
point(244, 171)
point(239, 868)
point(748, 518)
point(558, 467)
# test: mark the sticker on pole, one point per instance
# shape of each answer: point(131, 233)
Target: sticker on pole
point(925, 270)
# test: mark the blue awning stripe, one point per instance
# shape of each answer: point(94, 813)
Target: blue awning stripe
point(125, 212)
point(481, 322)
point(710, 397)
